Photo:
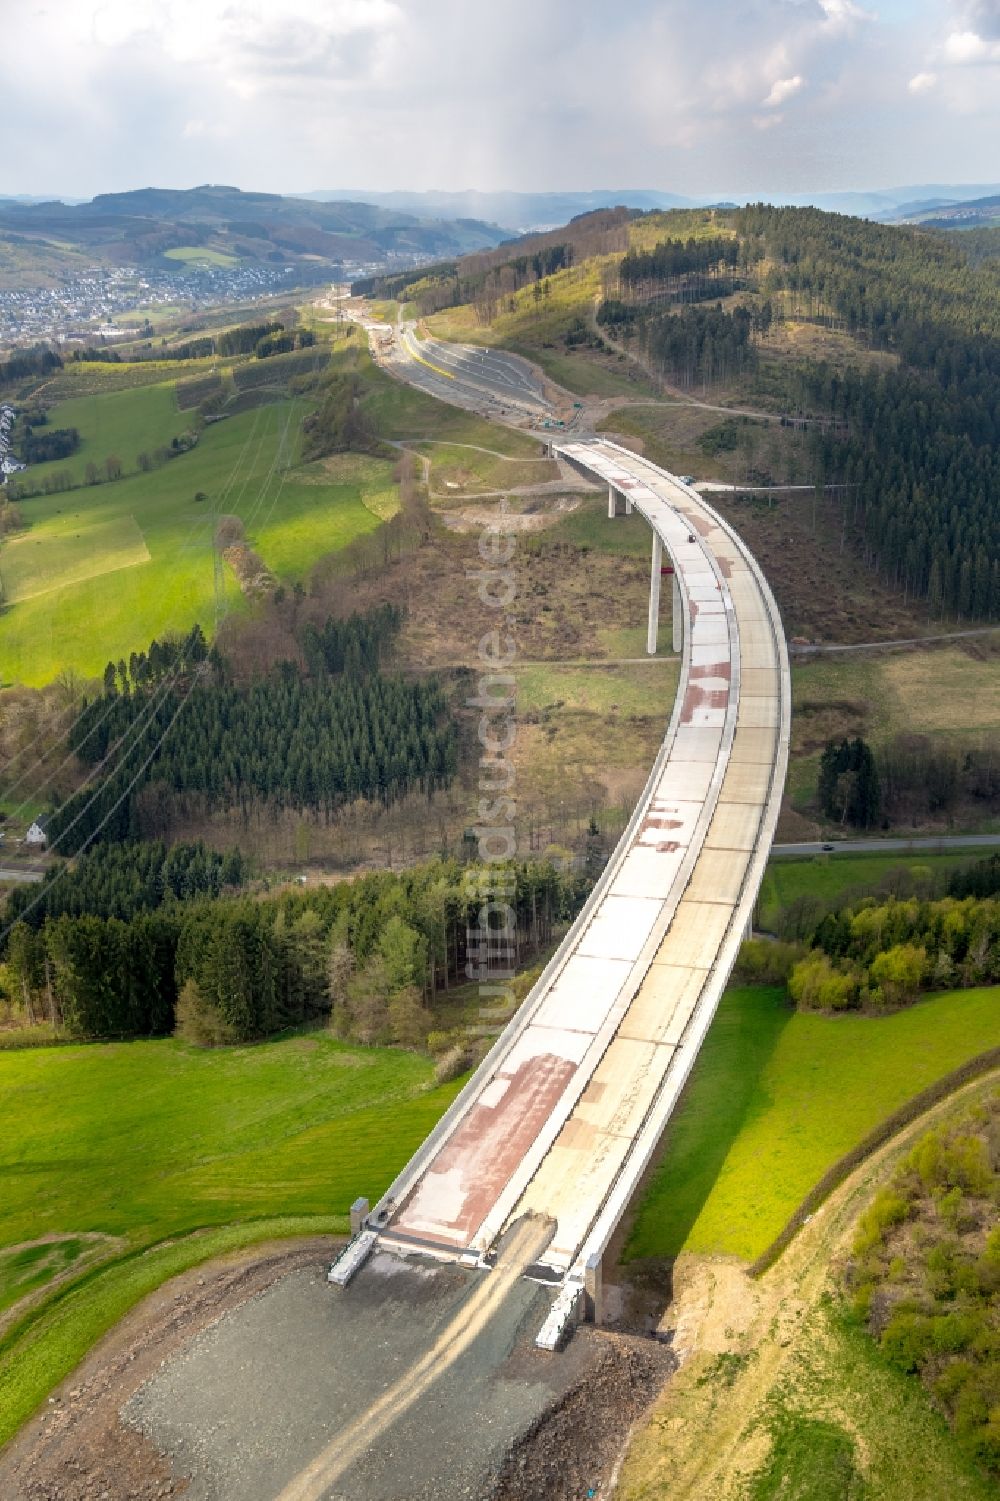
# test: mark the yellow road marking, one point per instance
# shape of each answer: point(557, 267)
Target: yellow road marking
point(421, 361)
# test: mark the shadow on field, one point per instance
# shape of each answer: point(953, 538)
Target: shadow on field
point(723, 1095)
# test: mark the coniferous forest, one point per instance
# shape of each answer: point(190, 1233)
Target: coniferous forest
point(377, 952)
point(911, 448)
point(287, 739)
point(915, 448)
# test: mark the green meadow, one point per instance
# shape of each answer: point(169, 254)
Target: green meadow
point(199, 255)
point(125, 423)
point(777, 1096)
point(842, 878)
point(154, 1156)
point(103, 569)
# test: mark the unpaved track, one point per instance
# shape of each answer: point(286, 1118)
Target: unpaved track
point(696, 1442)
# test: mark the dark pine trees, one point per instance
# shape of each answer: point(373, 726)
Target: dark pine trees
point(849, 788)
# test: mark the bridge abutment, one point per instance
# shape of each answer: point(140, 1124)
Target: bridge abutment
point(593, 1290)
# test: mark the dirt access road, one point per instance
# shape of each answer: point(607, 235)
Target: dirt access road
point(710, 1430)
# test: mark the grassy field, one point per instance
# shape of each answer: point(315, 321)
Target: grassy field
point(160, 1155)
point(834, 878)
point(947, 693)
point(777, 1096)
point(104, 569)
point(73, 548)
point(125, 423)
point(399, 411)
point(464, 470)
point(640, 688)
point(588, 527)
point(195, 255)
point(943, 690)
point(587, 374)
point(844, 1424)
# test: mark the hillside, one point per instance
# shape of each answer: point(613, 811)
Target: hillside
point(975, 213)
point(826, 336)
point(143, 228)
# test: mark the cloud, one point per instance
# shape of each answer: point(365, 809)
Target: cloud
point(982, 16)
point(964, 47)
point(841, 15)
point(285, 94)
point(783, 89)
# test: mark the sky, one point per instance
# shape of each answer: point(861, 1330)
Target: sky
point(741, 98)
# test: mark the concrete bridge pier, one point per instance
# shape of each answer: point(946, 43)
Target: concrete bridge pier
point(618, 503)
point(678, 632)
point(654, 595)
point(655, 574)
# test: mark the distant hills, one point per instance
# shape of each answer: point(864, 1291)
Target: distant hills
point(976, 213)
point(223, 226)
point(44, 242)
point(519, 212)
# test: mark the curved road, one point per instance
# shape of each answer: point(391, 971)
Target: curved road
point(563, 1115)
point(492, 382)
point(417, 1382)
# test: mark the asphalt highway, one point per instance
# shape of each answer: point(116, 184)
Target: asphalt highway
point(932, 844)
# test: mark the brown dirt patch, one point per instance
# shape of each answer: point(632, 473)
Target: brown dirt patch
point(823, 591)
point(574, 1450)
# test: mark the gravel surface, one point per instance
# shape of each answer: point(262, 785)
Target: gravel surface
point(253, 1399)
point(227, 1383)
point(76, 1448)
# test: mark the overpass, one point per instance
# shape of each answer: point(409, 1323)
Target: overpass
point(562, 1117)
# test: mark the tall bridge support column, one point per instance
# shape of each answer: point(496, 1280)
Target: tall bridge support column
point(678, 640)
point(654, 595)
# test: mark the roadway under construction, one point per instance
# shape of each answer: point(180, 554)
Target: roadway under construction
point(424, 1378)
point(563, 1115)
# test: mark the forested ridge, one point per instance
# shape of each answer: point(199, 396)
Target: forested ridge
point(376, 952)
point(916, 449)
point(881, 280)
point(346, 731)
point(912, 450)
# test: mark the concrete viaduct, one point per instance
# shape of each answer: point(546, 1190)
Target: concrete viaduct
point(562, 1117)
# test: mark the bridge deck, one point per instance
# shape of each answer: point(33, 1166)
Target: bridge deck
point(564, 1112)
